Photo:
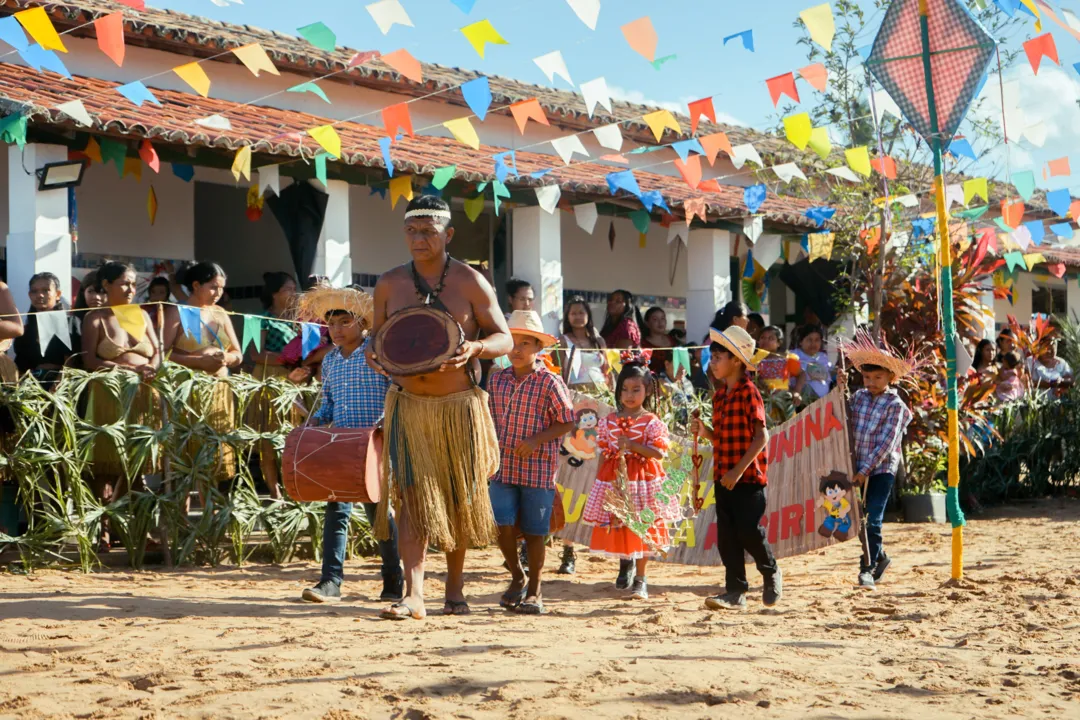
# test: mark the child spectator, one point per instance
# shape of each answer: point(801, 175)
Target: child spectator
point(636, 435)
point(776, 370)
point(740, 468)
point(813, 383)
point(352, 397)
point(531, 408)
point(29, 358)
point(1010, 386)
point(879, 419)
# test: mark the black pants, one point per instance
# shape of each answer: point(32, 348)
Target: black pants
point(738, 513)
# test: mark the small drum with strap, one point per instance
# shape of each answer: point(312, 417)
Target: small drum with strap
point(333, 464)
point(417, 340)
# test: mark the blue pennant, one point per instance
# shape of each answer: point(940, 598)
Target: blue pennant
point(747, 37)
point(1062, 230)
point(137, 93)
point(502, 170)
point(820, 215)
point(191, 321)
point(478, 96)
point(960, 147)
point(183, 171)
point(380, 191)
point(12, 33)
point(384, 145)
point(652, 199)
point(623, 180)
point(465, 6)
point(922, 227)
point(312, 335)
point(1059, 201)
point(754, 196)
point(1038, 232)
point(41, 59)
point(683, 148)
point(540, 173)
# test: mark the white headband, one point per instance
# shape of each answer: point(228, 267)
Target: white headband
point(443, 214)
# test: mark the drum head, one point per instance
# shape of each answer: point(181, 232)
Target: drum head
point(417, 340)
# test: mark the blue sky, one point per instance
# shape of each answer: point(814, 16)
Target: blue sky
point(693, 30)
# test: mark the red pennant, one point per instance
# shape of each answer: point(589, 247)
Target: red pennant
point(989, 236)
point(1012, 212)
point(110, 36)
point(404, 64)
point(1074, 210)
point(816, 75)
point(699, 108)
point(885, 166)
point(397, 116)
point(528, 109)
point(149, 155)
point(1039, 47)
point(133, 4)
point(695, 206)
point(1059, 167)
point(709, 186)
point(690, 170)
point(872, 237)
point(782, 85)
point(715, 143)
point(1056, 269)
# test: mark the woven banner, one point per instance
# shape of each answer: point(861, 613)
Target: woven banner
point(811, 446)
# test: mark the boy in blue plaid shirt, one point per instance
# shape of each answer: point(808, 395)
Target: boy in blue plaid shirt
point(879, 419)
point(352, 397)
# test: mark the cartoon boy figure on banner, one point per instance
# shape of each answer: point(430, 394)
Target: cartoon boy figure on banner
point(835, 491)
point(580, 444)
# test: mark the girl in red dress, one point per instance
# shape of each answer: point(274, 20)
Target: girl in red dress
point(642, 438)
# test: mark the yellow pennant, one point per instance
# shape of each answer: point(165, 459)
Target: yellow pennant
point(328, 138)
point(36, 22)
point(132, 166)
point(1034, 11)
point(479, 34)
point(400, 187)
point(820, 24)
point(195, 76)
point(473, 207)
point(1033, 259)
point(463, 132)
point(241, 164)
point(976, 187)
point(151, 205)
point(858, 159)
point(798, 129)
point(820, 143)
point(660, 120)
point(614, 359)
point(132, 320)
point(821, 245)
point(255, 59)
point(93, 150)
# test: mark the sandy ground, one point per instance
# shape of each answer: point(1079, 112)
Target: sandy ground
point(238, 643)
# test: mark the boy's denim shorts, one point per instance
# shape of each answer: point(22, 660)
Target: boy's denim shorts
point(530, 508)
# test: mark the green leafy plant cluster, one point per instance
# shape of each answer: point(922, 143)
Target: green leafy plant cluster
point(49, 457)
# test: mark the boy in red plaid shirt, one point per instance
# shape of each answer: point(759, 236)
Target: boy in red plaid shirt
point(531, 408)
point(740, 468)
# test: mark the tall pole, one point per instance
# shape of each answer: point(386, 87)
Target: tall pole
point(948, 323)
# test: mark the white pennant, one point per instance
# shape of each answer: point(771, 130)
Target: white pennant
point(53, 325)
point(908, 201)
point(76, 111)
point(677, 230)
point(595, 92)
point(586, 216)
point(788, 171)
point(883, 103)
point(548, 197)
point(609, 136)
point(269, 178)
point(214, 122)
point(588, 11)
point(567, 146)
point(844, 172)
point(954, 193)
point(1070, 19)
point(752, 227)
point(553, 64)
point(387, 13)
point(767, 250)
point(744, 152)
point(1036, 134)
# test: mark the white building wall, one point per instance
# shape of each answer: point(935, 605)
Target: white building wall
point(377, 239)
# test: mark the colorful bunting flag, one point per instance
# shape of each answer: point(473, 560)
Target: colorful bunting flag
point(269, 179)
point(255, 59)
point(1039, 47)
point(753, 197)
point(609, 136)
point(567, 146)
point(477, 94)
point(1024, 182)
point(623, 180)
point(641, 36)
point(11, 32)
point(309, 339)
point(328, 139)
point(741, 153)
point(137, 93)
point(817, 75)
point(1062, 230)
point(1059, 167)
point(77, 112)
point(961, 147)
point(149, 155)
point(1012, 212)
point(388, 13)
point(463, 132)
point(976, 187)
point(788, 172)
point(110, 36)
point(320, 36)
point(595, 92)
point(820, 215)
point(820, 246)
point(403, 63)
point(54, 324)
point(659, 121)
point(384, 148)
point(396, 117)
point(37, 24)
point(820, 143)
point(1033, 259)
point(242, 163)
point(845, 173)
point(585, 216)
point(690, 170)
point(400, 187)
point(553, 64)
point(214, 122)
point(193, 74)
point(252, 333)
point(858, 159)
point(783, 85)
point(547, 196)
point(1036, 231)
point(481, 34)
point(747, 37)
point(697, 110)
point(473, 207)
point(528, 110)
point(819, 23)
point(132, 320)
point(151, 205)
point(695, 207)
point(714, 143)
point(443, 176)
point(311, 88)
point(1059, 201)
point(588, 11)
point(884, 166)
point(797, 128)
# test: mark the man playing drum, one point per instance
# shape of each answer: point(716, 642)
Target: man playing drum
point(440, 446)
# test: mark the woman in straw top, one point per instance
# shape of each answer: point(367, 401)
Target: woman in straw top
point(278, 299)
point(11, 327)
point(213, 350)
point(114, 337)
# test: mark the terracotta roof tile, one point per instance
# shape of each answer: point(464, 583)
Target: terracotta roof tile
point(173, 122)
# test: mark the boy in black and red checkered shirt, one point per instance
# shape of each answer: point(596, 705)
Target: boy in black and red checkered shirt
point(740, 468)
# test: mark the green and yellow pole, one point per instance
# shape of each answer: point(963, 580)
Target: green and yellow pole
point(948, 323)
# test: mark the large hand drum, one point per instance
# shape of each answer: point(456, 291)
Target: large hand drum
point(332, 464)
point(417, 340)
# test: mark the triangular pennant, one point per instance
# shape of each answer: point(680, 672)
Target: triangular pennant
point(1012, 212)
point(741, 153)
point(659, 121)
point(384, 148)
point(820, 143)
point(137, 93)
point(214, 122)
point(311, 88)
point(53, 324)
point(752, 228)
point(1059, 202)
point(463, 132)
point(528, 110)
point(400, 187)
point(547, 196)
point(110, 36)
point(133, 167)
point(328, 139)
point(623, 180)
point(586, 216)
point(595, 92)
point(1024, 182)
point(788, 172)
point(77, 112)
point(473, 207)
point(191, 321)
point(149, 155)
point(817, 75)
point(747, 38)
point(588, 11)
point(132, 320)
point(183, 171)
point(819, 23)
point(320, 36)
point(269, 179)
point(38, 26)
point(767, 249)
point(252, 333)
point(255, 59)
point(976, 187)
point(477, 94)
point(698, 109)
point(481, 34)
point(609, 136)
point(683, 148)
point(193, 74)
point(695, 207)
point(388, 13)
point(443, 176)
point(567, 146)
point(820, 245)
point(396, 117)
point(553, 64)
point(1039, 47)
point(797, 128)
point(152, 205)
point(753, 197)
point(782, 85)
point(858, 159)
point(242, 163)
point(714, 143)
point(641, 36)
point(320, 168)
point(404, 64)
point(690, 170)
point(844, 172)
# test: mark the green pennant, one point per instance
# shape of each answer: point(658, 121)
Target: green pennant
point(320, 168)
point(443, 175)
point(499, 191)
point(972, 213)
point(641, 220)
point(1001, 224)
point(13, 129)
point(114, 152)
point(252, 333)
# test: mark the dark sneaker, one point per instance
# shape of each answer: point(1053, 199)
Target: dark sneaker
point(524, 555)
point(866, 579)
point(883, 564)
point(774, 589)
point(727, 601)
point(327, 591)
point(393, 588)
point(568, 559)
point(626, 574)
point(640, 589)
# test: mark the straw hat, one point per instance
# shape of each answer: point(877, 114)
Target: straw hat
point(741, 345)
point(527, 322)
point(322, 299)
point(863, 350)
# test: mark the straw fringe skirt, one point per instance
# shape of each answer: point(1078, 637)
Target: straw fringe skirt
point(438, 454)
point(218, 411)
point(104, 409)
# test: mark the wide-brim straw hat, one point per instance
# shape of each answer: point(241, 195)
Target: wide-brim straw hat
point(741, 345)
point(527, 322)
point(322, 299)
point(864, 350)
